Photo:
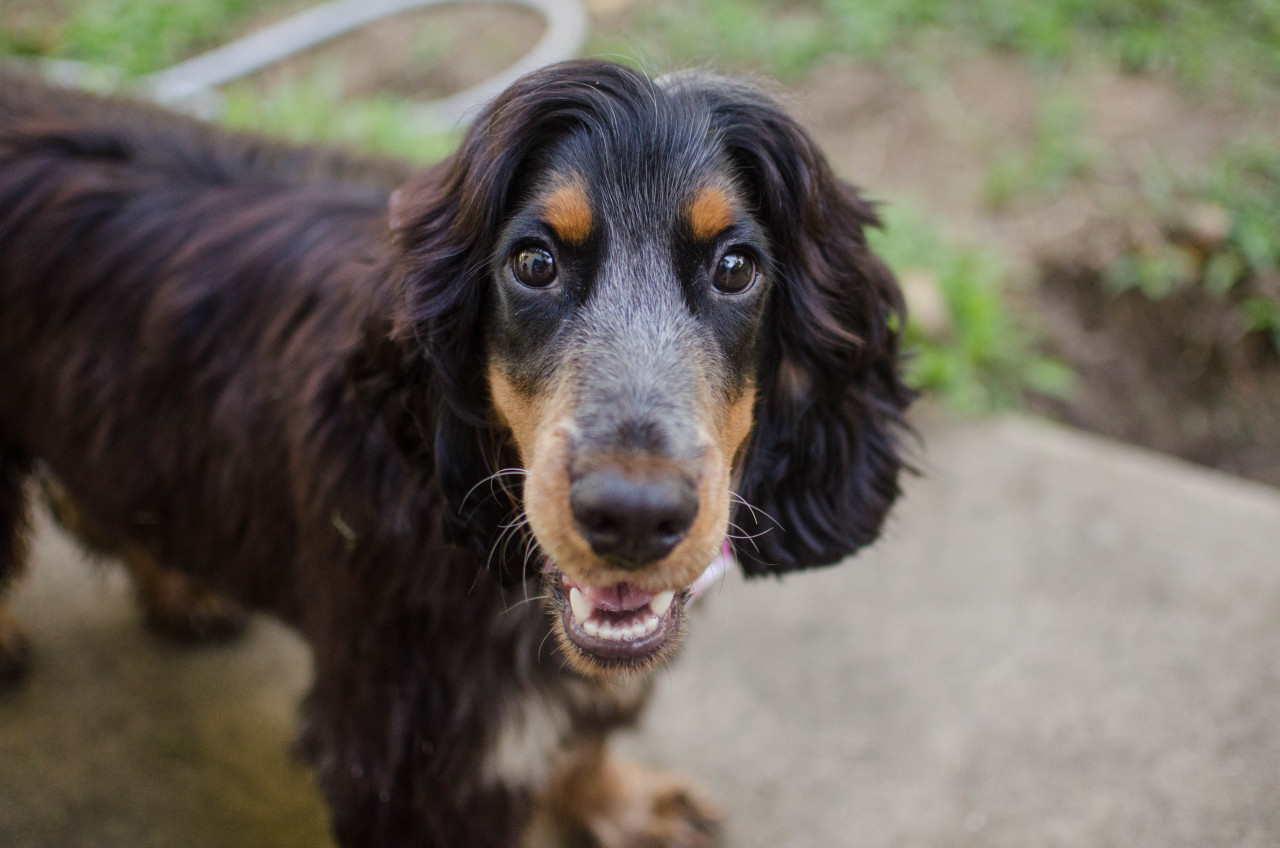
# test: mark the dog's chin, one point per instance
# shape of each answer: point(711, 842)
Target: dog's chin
point(611, 631)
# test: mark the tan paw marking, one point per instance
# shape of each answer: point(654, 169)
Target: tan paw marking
point(609, 804)
point(180, 608)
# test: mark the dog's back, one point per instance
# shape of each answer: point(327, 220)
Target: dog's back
point(159, 281)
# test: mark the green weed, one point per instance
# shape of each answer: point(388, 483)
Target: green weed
point(315, 111)
point(1237, 258)
point(1234, 41)
point(137, 36)
point(1059, 152)
point(980, 356)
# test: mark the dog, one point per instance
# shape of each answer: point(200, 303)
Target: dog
point(475, 432)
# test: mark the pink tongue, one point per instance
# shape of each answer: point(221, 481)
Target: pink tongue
point(620, 598)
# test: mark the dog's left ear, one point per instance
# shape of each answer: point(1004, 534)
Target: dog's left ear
point(416, 366)
point(822, 467)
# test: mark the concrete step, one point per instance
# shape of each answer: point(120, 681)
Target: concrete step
point(1062, 641)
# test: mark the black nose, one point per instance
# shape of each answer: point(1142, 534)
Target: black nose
point(632, 522)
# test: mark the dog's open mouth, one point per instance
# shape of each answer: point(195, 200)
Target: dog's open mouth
point(623, 626)
point(620, 622)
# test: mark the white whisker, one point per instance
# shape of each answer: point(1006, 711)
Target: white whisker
point(492, 478)
point(528, 600)
point(756, 512)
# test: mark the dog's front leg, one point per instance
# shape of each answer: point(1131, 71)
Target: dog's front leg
point(405, 762)
point(391, 783)
point(604, 802)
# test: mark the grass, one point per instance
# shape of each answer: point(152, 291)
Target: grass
point(1059, 153)
point(137, 36)
point(978, 355)
point(308, 111)
point(1199, 41)
point(143, 36)
point(1240, 262)
point(1228, 41)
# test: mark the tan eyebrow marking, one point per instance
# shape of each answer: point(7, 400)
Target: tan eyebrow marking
point(568, 212)
point(711, 212)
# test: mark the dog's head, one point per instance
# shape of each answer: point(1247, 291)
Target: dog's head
point(653, 324)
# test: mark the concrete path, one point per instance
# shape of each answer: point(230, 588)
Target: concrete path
point(1061, 642)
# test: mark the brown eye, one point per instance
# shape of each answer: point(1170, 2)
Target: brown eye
point(735, 273)
point(533, 267)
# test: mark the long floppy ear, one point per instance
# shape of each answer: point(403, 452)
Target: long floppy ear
point(419, 366)
point(822, 467)
point(424, 360)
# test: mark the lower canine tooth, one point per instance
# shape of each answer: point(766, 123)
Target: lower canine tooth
point(591, 628)
point(662, 602)
point(578, 603)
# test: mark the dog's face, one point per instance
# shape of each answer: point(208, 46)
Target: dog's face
point(669, 301)
point(623, 338)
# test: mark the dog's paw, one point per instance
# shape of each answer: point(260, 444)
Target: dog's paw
point(15, 650)
point(677, 816)
point(181, 609)
point(621, 805)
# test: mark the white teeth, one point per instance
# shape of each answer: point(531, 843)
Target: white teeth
point(578, 603)
point(616, 632)
point(598, 625)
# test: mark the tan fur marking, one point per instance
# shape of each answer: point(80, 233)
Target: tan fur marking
point(620, 805)
point(542, 428)
point(547, 500)
point(175, 603)
point(711, 212)
point(180, 606)
point(522, 415)
point(568, 212)
point(738, 423)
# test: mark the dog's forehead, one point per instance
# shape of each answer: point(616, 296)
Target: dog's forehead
point(638, 178)
point(574, 207)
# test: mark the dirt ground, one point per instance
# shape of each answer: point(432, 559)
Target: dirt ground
point(1179, 375)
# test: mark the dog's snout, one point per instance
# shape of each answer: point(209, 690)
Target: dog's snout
point(632, 522)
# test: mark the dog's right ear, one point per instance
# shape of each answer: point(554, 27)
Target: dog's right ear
point(421, 361)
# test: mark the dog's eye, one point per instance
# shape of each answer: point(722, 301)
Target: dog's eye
point(533, 267)
point(735, 273)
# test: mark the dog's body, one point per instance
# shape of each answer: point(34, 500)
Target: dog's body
point(643, 296)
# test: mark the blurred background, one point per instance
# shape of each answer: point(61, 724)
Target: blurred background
point(1082, 196)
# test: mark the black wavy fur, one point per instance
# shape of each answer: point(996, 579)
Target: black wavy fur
point(230, 362)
